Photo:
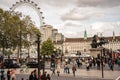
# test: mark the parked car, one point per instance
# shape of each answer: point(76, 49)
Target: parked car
point(32, 64)
point(11, 64)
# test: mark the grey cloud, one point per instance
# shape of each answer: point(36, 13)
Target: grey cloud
point(57, 3)
point(98, 3)
point(80, 3)
point(77, 14)
point(104, 26)
point(72, 24)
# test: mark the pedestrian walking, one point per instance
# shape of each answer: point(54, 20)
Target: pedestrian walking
point(48, 77)
point(31, 77)
point(35, 76)
point(65, 67)
point(44, 76)
point(118, 62)
point(94, 62)
point(8, 75)
point(13, 76)
point(58, 69)
point(78, 61)
point(98, 61)
point(68, 68)
point(87, 65)
point(111, 64)
point(74, 70)
point(53, 71)
point(40, 76)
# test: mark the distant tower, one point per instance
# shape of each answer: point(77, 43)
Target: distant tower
point(113, 35)
point(101, 35)
point(85, 35)
point(97, 34)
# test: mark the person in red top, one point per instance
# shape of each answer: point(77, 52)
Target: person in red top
point(13, 76)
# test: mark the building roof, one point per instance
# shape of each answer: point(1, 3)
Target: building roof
point(111, 38)
point(77, 39)
point(55, 30)
point(90, 39)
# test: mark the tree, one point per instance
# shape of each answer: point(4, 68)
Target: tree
point(14, 28)
point(47, 47)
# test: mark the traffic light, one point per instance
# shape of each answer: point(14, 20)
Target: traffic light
point(52, 66)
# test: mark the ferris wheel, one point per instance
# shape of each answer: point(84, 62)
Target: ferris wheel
point(32, 5)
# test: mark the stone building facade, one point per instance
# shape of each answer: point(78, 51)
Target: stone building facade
point(72, 45)
point(48, 31)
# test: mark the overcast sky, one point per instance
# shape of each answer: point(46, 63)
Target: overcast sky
point(72, 17)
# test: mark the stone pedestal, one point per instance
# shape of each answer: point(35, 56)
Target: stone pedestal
point(95, 51)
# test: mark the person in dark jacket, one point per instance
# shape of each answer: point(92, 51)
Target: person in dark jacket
point(35, 75)
point(8, 75)
point(31, 77)
point(48, 77)
point(44, 76)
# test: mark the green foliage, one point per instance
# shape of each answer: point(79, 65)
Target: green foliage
point(8, 52)
point(1, 11)
point(47, 47)
point(14, 32)
point(10, 26)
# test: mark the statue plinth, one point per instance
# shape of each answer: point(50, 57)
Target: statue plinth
point(94, 52)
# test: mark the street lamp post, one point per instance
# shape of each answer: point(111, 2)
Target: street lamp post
point(2, 60)
point(102, 41)
point(38, 50)
point(102, 63)
point(20, 41)
point(62, 49)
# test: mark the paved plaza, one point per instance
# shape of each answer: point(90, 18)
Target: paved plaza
point(62, 77)
point(81, 74)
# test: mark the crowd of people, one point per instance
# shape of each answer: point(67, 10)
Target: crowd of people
point(34, 76)
point(70, 65)
point(92, 63)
